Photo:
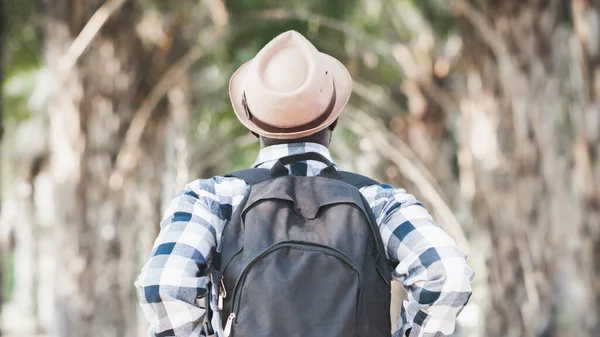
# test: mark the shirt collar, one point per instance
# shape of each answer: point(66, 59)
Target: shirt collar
point(270, 154)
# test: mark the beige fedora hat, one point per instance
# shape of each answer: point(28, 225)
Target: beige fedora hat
point(289, 89)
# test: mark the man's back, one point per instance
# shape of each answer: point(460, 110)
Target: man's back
point(426, 259)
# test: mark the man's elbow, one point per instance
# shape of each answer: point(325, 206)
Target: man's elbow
point(154, 294)
point(458, 283)
point(149, 289)
point(450, 285)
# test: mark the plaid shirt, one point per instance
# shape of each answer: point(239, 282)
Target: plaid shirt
point(428, 262)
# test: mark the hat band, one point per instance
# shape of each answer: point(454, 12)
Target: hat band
point(307, 126)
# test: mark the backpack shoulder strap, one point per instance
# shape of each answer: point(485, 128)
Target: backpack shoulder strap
point(258, 175)
point(356, 180)
point(251, 176)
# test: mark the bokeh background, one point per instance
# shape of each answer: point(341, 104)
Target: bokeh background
point(487, 110)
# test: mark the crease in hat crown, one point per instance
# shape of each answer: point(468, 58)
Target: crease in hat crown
point(289, 89)
point(288, 58)
point(282, 41)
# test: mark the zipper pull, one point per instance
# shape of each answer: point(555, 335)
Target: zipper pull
point(220, 304)
point(228, 326)
point(222, 294)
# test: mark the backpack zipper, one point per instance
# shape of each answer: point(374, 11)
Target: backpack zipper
point(222, 294)
point(291, 244)
point(227, 330)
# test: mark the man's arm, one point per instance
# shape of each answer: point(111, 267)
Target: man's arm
point(428, 262)
point(173, 277)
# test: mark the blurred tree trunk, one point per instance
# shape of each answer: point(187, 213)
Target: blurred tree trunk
point(530, 121)
point(586, 19)
point(106, 222)
point(88, 116)
point(176, 173)
point(25, 153)
point(97, 226)
point(22, 218)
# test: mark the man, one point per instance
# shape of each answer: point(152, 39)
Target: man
point(291, 96)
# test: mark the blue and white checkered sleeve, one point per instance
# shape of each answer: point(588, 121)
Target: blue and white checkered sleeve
point(428, 262)
point(172, 278)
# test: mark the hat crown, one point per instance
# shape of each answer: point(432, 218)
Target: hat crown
point(289, 60)
point(288, 82)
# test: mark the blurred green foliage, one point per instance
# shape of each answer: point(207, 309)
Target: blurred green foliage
point(22, 56)
point(361, 33)
point(372, 23)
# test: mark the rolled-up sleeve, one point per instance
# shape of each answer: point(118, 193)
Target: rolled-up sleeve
point(173, 277)
point(427, 261)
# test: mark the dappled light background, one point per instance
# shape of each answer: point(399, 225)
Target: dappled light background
point(487, 111)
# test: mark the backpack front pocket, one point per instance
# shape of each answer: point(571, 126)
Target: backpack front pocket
point(297, 289)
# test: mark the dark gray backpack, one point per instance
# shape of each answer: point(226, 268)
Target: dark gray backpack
point(302, 256)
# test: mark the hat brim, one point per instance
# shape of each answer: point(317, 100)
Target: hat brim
point(343, 85)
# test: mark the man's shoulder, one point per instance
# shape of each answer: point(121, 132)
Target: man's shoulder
point(217, 186)
point(380, 192)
